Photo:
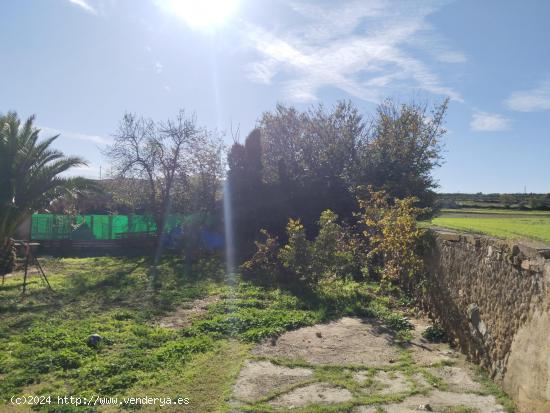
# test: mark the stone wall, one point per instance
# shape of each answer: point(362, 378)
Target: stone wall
point(493, 297)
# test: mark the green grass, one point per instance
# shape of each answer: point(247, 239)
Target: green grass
point(43, 337)
point(491, 211)
point(536, 228)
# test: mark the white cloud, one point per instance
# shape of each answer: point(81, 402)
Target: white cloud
point(158, 67)
point(530, 100)
point(84, 5)
point(489, 122)
point(360, 47)
point(47, 132)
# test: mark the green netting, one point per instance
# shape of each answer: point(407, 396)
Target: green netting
point(119, 225)
point(99, 227)
point(141, 223)
point(51, 226)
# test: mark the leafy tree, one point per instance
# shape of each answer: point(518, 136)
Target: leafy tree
point(402, 148)
point(29, 177)
point(248, 190)
point(304, 163)
point(309, 157)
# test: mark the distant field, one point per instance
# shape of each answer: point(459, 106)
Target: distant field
point(513, 224)
point(499, 211)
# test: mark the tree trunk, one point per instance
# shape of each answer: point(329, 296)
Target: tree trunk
point(153, 271)
point(7, 256)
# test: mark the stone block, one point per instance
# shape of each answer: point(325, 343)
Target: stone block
point(472, 239)
point(449, 236)
point(528, 251)
point(530, 265)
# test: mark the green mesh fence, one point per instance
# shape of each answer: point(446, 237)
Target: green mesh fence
point(99, 227)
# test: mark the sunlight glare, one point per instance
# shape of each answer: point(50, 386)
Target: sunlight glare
point(203, 14)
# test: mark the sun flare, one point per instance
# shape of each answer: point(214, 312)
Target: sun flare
point(203, 14)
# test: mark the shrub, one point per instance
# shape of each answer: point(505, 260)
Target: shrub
point(264, 266)
point(338, 253)
point(386, 247)
point(435, 333)
point(392, 236)
point(296, 255)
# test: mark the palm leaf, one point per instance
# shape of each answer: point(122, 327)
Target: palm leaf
point(30, 172)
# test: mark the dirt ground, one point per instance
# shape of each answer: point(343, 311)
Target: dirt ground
point(184, 316)
point(357, 366)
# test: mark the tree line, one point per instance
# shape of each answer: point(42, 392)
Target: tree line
point(299, 164)
point(294, 164)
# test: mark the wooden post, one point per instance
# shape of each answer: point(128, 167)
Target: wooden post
point(27, 252)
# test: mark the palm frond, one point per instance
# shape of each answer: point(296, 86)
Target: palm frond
point(29, 171)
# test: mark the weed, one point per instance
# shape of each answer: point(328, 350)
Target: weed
point(435, 334)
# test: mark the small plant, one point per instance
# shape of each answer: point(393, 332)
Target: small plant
point(337, 252)
point(264, 266)
point(435, 334)
point(297, 253)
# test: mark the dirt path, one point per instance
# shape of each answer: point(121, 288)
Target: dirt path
point(355, 365)
point(185, 315)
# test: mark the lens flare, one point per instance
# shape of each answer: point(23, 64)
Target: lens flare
point(203, 14)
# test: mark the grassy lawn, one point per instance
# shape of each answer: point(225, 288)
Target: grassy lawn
point(492, 211)
point(529, 227)
point(43, 337)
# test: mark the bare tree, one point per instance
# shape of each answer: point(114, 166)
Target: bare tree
point(163, 156)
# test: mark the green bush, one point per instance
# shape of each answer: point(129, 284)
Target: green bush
point(435, 333)
point(336, 253)
point(391, 233)
point(264, 266)
point(296, 255)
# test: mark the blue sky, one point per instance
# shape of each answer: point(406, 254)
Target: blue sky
point(80, 64)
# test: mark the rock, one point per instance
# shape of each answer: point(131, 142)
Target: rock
point(473, 313)
point(472, 239)
point(530, 265)
point(315, 393)
point(345, 341)
point(449, 236)
point(514, 249)
point(258, 378)
point(318, 334)
point(94, 340)
point(528, 251)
